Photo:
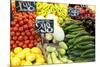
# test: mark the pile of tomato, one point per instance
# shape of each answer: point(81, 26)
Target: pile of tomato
point(22, 30)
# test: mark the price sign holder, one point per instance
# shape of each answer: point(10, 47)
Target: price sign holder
point(25, 6)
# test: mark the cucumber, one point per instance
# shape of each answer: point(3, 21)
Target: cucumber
point(71, 27)
point(87, 52)
point(81, 34)
point(83, 38)
point(68, 36)
point(71, 41)
point(88, 55)
point(67, 23)
point(76, 32)
point(76, 29)
point(85, 42)
point(87, 46)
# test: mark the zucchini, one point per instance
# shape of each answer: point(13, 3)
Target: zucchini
point(71, 41)
point(88, 55)
point(83, 38)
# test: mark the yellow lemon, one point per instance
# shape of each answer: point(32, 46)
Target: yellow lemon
point(15, 61)
point(28, 53)
point(17, 50)
point(40, 60)
point(27, 63)
point(26, 50)
point(23, 62)
point(36, 50)
point(11, 54)
point(21, 55)
point(30, 57)
point(37, 63)
point(39, 56)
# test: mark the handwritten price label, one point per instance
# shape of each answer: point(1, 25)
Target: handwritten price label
point(25, 6)
point(44, 25)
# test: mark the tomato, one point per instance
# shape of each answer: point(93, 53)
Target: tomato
point(25, 37)
point(12, 42)
point(15, 38)
point(25, 26)
point(12, 33)
point(24, 46)
point(21, 29)
point(17, 25)
point(30, 45)
point(21, 23)
point(26, 20)
point(14, 46)
point(15, 28)
point(20, 44)
point(17, 33)
point(20, 38)
point(13, 23)
point(17, 42)
point(31, 37)
point(27, 41)
point(28, 33)
point(23, 33)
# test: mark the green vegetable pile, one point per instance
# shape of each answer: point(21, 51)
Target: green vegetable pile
point(57, 55)
point(60, 10)
point(81, 45)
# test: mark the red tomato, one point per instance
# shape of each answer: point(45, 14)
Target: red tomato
point(20, 38)
point(31, 37)
point(23, 33)
point(15, 28)
point(20, 44)
point(21, 23)
point(30, 45)
point(17, 25)
point(12, 33)
point(17, 42)
point(21, 29)
point(24, 46)
point(26, 20)
point(25, 37)
point(14, 46)
point(17, 33)
point(27, 41)
point(15, 38)
point(12, 42)
point(31, 41)
point(25, 26)
point(28, 33)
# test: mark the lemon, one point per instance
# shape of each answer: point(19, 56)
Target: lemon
point(11, 54)
point(40, 60)
point(21, 55)
point(28, 53)
point(39, 56)
point(27, 63)
point(17, 50)
point(30, 57)
point(26, 50)
point(23, 62)
point(15, 61)
point(37, 63)
point(36, 50)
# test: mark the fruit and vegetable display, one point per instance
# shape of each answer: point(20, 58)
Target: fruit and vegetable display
point(51, 33)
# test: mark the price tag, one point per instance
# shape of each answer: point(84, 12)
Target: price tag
point(44, 25)
point(73, 12)
point(25, 6)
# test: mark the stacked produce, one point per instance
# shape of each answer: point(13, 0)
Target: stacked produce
point(85, 12)
point(57, 55)
point(26, 56)
point(81, 46)
point(59, 10)
point(22, 30)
